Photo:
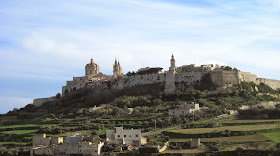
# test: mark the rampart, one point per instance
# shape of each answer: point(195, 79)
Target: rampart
point(40, 101)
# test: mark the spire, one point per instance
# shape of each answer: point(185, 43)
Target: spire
point(172, 56)
point(116, 61)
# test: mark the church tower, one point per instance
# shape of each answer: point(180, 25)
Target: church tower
point(117, 69)
point(172, 67)
point(170, 86)
point(91, 68)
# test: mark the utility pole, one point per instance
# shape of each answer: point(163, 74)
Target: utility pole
point(193, 116)
point(155, 123)
point(98, 129)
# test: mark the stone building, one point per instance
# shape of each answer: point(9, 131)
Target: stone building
point(129, 137)
point(75, 145)
point(184, 109)
point(42, 140)
point(74, 139)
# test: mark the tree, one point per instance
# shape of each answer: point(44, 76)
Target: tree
point(58, 95)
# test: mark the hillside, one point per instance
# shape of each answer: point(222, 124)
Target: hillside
point(137, 107)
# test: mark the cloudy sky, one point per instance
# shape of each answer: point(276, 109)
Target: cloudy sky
point(45, 43)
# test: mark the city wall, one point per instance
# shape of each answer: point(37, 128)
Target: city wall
point(221, 78)
point(40, 101)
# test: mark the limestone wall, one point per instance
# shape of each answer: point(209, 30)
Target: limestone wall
point(189, 77)
point(216, 77)
point(186, 79)
point(274, 84)
point(248, 77)
point(230, 78)
point(67, 149)
point(42, 151)
point(135, 80)
point(170, 83)
point(225, 78)
point(40, 101)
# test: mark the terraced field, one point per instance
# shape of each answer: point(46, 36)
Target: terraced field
point(273, 136)
point(20, 132)
point(223, 128)
point(248, 141)
point(247, 138)
point(251, 121)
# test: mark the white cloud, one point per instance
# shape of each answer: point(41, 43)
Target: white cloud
point(9, 103)
point(54, 40)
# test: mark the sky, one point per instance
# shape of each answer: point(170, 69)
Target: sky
point(45, 43)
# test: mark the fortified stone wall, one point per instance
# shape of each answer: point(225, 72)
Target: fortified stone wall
point(274, 84)
point(220, 77)
point(135, 80)
point(39, 102)
point(248, 77)
point(189, 77)
point(170, 87)
point(230, 78)
point(217, 77)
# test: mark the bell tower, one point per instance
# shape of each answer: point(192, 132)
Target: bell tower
point(172, 67)
point(117, 69)
point(170, 86)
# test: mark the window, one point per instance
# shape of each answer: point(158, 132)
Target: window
point(119, 136)
point(124, 136)
point(183, 112)
point(173, 112)
point(136, 135)
point(130, 136)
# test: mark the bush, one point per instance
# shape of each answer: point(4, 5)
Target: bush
point(263, 88)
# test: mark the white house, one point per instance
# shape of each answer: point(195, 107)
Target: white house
point(129, 137)
point(184, 109)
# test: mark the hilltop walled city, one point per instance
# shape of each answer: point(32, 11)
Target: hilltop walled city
point(174, 78)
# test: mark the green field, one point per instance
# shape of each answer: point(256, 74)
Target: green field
point(20, 126)
point(250, 121)
point(19, 132)
point(247, 138)
point(273, 136)
point(232, 128)
point(246, 146)
point(14, 143)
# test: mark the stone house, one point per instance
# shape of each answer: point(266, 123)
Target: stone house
point(129, 137)
point(184, 109)
point(75, 145)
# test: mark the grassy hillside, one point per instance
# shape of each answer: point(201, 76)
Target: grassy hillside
point(138, 107)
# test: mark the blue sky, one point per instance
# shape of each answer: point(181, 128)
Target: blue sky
point(45, 43)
